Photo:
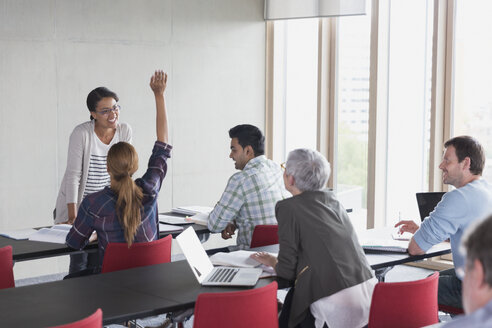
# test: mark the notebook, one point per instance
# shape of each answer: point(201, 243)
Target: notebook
point(427, 201)
point(384, 245)
point(203, 269)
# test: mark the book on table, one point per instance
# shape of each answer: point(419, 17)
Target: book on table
point(384, 245)
point(55, 234)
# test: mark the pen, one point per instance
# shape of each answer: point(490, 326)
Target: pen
point(399, 220)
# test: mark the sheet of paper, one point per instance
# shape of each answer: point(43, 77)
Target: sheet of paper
point(192, 210)
point(169, 228)
point(169, 219)
point(18, 234)
point(200, 218)
point(237, 259)
point(404, 236)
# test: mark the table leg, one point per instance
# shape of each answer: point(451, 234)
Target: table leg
point(380, 273)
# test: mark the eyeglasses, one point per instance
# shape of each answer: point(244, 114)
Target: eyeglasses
point(282, 166)
point(106, 111)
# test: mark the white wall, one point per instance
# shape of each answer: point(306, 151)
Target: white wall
point(52, 53)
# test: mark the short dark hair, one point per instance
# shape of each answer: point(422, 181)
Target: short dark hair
point(467, 146)
point(96, 95)
point(249, 135)
point(477, 244)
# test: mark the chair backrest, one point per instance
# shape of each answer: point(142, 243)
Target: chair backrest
point(405, 304)
point(450, 309)
point(92, 321)
point(119, 257)
point(243, 309)
point(264, 235)
point(6, 268)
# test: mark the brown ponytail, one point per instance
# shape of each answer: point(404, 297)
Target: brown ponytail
point(122, 162)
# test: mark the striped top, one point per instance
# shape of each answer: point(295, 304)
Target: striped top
point(98, 176)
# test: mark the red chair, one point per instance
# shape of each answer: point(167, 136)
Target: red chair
point(243, 309)
point(264, 235)
point(450, 309)
point(92, 321)
point(6, 265)
point(119, 257)
point(405, 304)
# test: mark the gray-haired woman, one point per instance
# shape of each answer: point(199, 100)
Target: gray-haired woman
point(319, 252)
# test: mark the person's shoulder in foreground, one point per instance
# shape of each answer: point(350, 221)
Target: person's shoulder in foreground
point(477, 280)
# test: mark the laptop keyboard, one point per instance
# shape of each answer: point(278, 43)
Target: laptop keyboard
point(223, 275)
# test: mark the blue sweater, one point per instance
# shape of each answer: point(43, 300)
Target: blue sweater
point(454, 213)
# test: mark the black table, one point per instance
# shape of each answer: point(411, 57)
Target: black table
point(24, 250)
point(382, 262)
point(122, 295)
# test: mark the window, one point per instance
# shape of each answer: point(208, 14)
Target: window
point(295, 90)
point(472, 96)
point(409, 104)
point(353, 66)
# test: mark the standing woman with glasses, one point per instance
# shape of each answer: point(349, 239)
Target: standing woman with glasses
point(86, 170)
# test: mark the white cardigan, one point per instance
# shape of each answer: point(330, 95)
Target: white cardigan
point(79, 153)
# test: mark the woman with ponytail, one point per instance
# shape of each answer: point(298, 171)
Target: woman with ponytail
point(126, 211)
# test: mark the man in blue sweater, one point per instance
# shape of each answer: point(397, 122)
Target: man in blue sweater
point(462, 166)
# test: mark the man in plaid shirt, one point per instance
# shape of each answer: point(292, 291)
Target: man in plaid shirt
point(250, 195)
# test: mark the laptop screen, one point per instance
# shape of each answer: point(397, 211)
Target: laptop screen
point(195, 254)
point(427, 201)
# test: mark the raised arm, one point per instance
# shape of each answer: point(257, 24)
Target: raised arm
point(158, 83)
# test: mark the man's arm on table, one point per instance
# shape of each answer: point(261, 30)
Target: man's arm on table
point(414, 248)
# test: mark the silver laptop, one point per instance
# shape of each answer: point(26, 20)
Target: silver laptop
point(205, 272)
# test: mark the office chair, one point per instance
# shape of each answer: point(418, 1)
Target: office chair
point(92, 321)
point(6, 265)
point(119, 257)
point(264, 235)
point(243, 309)
point(450, 309)
point(405, 304)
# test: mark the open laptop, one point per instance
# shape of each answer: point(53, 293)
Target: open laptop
point(427, 201)
point(205, 272)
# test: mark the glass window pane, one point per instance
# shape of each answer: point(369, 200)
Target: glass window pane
point(295, 80)
point(409, 102)
point(472, 102)
point(353, 61)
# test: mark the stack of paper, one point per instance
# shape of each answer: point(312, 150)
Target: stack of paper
point(169, 228)
point(170, 219)
point(56, 234)
point(239, 259)
point(200, 218)
point(192, 210)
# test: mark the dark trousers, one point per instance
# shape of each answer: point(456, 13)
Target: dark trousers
point(449, 289)
point(283, 320)
point(83, 261)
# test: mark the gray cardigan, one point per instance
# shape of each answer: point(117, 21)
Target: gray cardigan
point(319, 250)
point(75, 178)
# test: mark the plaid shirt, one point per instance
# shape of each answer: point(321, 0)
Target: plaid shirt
point(249, 199)
point(97, 211)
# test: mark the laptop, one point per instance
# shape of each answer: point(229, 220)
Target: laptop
point(427, 201)
point(205, 272)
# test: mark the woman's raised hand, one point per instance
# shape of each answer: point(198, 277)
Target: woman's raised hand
point(158, 82)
